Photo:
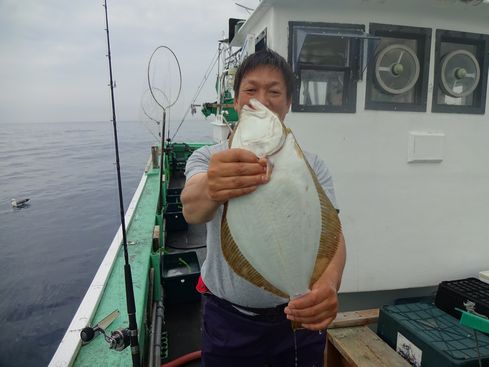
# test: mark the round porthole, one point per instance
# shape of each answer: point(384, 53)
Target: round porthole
point(396, 69)
point(460, 73)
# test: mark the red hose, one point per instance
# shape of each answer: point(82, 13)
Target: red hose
point(180, 361)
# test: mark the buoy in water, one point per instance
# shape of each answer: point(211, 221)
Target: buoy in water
point(19, 203)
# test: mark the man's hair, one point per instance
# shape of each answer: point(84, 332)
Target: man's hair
point(265, 57)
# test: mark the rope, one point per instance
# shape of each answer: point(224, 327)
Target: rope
point(199, 89)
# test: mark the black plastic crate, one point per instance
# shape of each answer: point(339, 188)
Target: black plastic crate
point(173, 199)
point(429, 337)
point(180, 274)
point(173, 214)
point(175, 220)
point(454, 293)
point(174, 191)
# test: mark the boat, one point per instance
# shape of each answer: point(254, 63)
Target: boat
point(392, 95)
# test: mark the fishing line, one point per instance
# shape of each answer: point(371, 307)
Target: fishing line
point(131, 333)
point(211, 67)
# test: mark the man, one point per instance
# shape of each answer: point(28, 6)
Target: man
point(244, 325)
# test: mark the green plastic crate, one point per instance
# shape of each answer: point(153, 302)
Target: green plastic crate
point(429, 337)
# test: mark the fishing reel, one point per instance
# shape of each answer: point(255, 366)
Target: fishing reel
point(118, 339)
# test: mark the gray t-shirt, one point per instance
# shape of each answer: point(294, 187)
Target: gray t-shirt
point(221, 280)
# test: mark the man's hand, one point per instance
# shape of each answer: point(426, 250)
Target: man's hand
point(316, 309)
point(234, 172)
point(231, 173)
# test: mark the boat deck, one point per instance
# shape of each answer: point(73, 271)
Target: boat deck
point(182, 329)
point(183, 334)
point(183, 320)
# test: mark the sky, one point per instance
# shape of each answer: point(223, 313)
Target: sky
point(53, 64)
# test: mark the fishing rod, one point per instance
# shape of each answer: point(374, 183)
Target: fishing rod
point(123, 337)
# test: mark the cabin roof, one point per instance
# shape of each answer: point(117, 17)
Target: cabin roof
point(470, 8)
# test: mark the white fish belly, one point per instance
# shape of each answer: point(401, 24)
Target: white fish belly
point(278, 227)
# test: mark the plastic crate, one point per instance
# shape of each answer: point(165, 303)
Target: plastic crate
point(174, 191)
point(173, 199)
point(454, 293)
point(180, 275)
point(429, 337)
point(173, 214)
point(175, 220)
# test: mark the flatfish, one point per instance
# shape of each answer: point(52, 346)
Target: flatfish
point(282, 236)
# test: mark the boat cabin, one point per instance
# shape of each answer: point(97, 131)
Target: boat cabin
point(392, 95)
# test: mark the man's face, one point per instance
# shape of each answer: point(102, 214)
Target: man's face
point(267, 85)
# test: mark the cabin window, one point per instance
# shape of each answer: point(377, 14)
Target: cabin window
point(460, 72)
point(261, 41)
point(398, 67)
point(325, 59)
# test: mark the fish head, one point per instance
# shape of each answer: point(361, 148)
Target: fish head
point(259, 130)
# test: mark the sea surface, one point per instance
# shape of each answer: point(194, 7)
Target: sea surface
point(51, 249)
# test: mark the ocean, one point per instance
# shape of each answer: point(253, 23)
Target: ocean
point(51, 249)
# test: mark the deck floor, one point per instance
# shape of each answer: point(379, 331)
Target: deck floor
point(183, 327)
point(183, 320)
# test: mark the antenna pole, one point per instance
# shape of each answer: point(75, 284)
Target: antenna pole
point(131, 306)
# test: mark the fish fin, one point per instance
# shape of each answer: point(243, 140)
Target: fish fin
point(238, 262)
point(330, 231)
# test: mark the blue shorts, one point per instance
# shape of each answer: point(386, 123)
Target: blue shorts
point(232, 338)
